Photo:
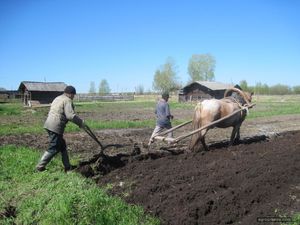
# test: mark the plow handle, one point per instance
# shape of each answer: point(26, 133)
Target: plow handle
point(93, 136)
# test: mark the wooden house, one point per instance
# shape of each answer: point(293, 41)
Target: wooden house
point(8, 95)
point(200, 90)
point(40, 92)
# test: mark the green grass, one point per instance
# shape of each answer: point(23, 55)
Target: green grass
point(116, 124)
point(295, 219)
point(119, 124)
point(117, 106)
point(55, 197)
point(274, 108)
point(21, 129)
point(108, 106)
point(10, 109)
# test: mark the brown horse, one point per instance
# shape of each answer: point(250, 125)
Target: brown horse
point(211, 110)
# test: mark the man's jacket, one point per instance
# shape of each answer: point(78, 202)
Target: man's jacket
point(61, 111)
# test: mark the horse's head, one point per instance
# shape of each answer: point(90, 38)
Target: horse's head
point(242, 96)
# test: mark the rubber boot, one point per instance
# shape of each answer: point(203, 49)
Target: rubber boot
point(46, 158)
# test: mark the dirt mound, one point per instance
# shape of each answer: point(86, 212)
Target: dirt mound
point(227, 185)
point(103, 164)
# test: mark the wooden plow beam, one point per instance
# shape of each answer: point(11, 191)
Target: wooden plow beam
point(176, 140)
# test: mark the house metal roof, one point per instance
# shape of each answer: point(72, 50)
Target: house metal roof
point(212, 85)
point(43, 86)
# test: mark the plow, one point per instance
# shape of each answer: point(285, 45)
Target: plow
point(226, 112)
point(161, 136)
point(88, 130)
point(105, 162)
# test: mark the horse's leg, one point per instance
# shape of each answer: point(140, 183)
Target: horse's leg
point(197, 139)
point(235, 134)
point(195, 145)
point(237, 137)
point(204, 144)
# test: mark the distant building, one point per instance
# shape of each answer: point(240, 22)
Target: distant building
point(200, 90)
point(40, 92)
point(8, 95)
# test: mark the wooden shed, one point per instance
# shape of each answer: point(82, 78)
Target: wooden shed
point(200, 90)
point(40, 92)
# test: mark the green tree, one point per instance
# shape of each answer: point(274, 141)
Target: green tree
point(261, 89)
point(202, 67)
point(92, 88)
point(104, 87)
point(244, 85)
point(165, 78)
point(280, 89)
point(296, 89)
point(265, 89)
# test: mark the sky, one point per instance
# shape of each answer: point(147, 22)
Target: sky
point(126, 41)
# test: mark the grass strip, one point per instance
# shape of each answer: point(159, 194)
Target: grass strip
point(114, 124)
point(55, 197)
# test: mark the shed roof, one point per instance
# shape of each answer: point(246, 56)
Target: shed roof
point(43, 86)
point(212, 85)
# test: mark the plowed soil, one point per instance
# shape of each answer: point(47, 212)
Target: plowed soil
point(240, 184)
point(227, 185)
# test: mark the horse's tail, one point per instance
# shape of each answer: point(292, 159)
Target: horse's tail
point(196, 123)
